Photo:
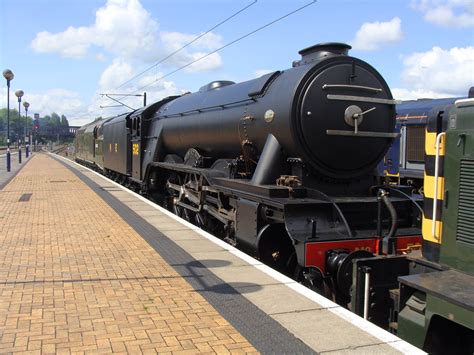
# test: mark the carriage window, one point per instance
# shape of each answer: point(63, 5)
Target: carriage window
point(138, 126)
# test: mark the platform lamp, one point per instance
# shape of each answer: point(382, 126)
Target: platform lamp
point(8, 74)
point(25, 131)
point(19, 94)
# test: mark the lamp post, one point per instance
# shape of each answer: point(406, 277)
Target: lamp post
point(27, 138)
point(8, 74)
point(19, 94)
point(35, 123)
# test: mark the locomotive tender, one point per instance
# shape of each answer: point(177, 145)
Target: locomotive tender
point(282, 165)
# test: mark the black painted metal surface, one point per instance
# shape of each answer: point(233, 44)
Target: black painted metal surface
point(116, 145)
point(451, 285)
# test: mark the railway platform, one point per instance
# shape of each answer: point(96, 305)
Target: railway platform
point(5, 176)
point(87, 266)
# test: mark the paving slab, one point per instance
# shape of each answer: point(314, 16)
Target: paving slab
point(183, 235)
point(146, 212)
point(170, 225)
point(365, 350)
point(197, 245)
point(217, 259)
point(326, 332)
point(160, 219)
point(274, 299)
point(244, 274)
point(140, 207)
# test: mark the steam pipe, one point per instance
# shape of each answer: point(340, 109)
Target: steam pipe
point(388, 239)
point(269, 165)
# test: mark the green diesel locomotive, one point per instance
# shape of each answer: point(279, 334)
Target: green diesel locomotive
point(428, 299)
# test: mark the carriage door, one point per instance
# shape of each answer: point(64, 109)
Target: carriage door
point(136, 148)
point(94, 143)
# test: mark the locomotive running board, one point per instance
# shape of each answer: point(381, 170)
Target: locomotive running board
point(208, 173)
point(334, 132)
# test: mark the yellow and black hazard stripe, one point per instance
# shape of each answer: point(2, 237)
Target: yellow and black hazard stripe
point(432, 241)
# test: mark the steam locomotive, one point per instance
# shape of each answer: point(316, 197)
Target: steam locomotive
point(283, 166)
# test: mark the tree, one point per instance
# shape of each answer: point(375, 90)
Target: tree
point(17, 126)
point(55, 119)
point(64, 121)
point(50, 126)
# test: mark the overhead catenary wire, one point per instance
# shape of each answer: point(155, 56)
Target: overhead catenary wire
point(187, 44)
point(228, 44)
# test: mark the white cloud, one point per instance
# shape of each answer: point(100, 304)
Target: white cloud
point(210, 62)
point(101, 57)
point(157, 90)
point(173, 41)
point(72, 43)
point(373, 35)
point(125, 29)
point(114, 74)
point(121, 27)
point(447, 13)
point(259, 72)
point(62, 101)
point(407, 94)
point(437, 73)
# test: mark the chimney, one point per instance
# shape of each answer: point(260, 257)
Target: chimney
point(322, 51)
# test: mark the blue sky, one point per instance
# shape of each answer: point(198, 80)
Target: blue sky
point(65, 53)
